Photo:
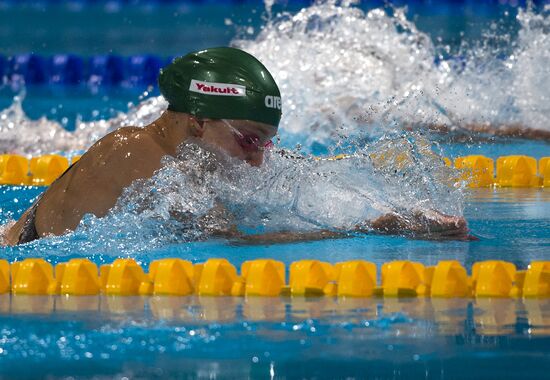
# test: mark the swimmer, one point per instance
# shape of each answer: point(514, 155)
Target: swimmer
point(223, 98)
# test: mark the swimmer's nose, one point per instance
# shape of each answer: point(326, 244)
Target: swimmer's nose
point(255, 159)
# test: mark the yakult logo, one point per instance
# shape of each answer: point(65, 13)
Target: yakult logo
point(273, 102)
point(218, 89)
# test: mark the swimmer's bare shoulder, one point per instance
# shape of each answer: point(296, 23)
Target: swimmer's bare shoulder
point(94, 183)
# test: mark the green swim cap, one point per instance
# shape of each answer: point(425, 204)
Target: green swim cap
point(221, 83)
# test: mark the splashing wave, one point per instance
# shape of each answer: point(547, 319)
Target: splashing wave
point(19, 134)
point(370, 73)
point(290, 192)
point(345, 72)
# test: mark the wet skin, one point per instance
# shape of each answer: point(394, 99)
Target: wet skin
point(95, 182)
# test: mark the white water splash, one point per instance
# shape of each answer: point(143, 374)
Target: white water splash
point(290, 192)
point(369, 73)
point(339, 67)
point(345, 72)
point(22, 135)
point(531, 72)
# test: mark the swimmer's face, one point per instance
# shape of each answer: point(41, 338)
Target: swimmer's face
point(242, 139)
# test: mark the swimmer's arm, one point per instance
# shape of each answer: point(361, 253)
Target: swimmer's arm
point(12, 231)
point(236, 237)
point(427, 225)
point(285, 237)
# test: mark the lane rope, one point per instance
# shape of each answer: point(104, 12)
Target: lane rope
point(476, 170)
point(108, 70)
point(267, 277)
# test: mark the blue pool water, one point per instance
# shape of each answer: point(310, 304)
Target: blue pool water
point(511, 224)
point(450, 63)
point(164, 337)
point(205, 337)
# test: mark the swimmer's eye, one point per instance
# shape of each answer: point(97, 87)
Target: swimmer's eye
point(251, 140)
point(249, 143)
point(268, 145)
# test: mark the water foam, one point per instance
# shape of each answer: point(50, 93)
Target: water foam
point(338, 67)
point(369, 73)
point(343, 71)
point(347, 77)
point(22, 135)
point(204, 193)
point(530, 70)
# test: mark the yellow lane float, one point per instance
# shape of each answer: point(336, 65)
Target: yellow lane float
point(13, 169)
point(46, 169)
point(517, 171)
point(475, 170)
point(544, 171)
point(266, 277)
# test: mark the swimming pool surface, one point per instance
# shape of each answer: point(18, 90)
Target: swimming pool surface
point(374, 338)
point(512, 225)
point(448, 63)
point(187, 337)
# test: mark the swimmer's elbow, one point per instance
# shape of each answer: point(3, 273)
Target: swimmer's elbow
point(9, 234)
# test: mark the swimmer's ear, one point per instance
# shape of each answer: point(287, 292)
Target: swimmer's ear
point(197, 126)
